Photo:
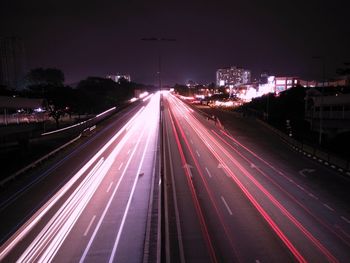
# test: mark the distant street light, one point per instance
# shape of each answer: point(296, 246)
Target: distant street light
point(159, 40)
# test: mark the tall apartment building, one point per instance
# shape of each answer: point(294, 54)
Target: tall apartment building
point(12, 66)
point(232, 76)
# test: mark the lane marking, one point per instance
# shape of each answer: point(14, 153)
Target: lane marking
point(120, 166)
point(128, 151)
point(107, 206)
point(89, 226)
point(313, 196)
point(126, 211)
point(327, 206)
point(208, 172)
point(300, 187)
point(109, 187)
point(345, 219)
point(198, 153)
point(227, 207)
point(342, 231)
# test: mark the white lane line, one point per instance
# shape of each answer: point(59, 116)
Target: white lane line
point(313, 196)
point(227, 207)
point(121, 227)
point(109, 187)
point(89, 226)
point(345, 219)
point(300, 187)
point(198, 153)
point(208, 172)
point(327, 206)
point(128, 151)
point(120, 166)
point(99, 223)
point(342, 231)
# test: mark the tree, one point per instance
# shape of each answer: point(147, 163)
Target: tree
point(56, 114)
point(97, 94)
point(94, 94)
point(40, 77)
point(345, 70)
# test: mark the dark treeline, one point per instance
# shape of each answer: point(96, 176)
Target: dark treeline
point(92, 95)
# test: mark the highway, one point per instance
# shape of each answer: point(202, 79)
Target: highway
point(100, 213)
point(246, 205)
point(227, 195)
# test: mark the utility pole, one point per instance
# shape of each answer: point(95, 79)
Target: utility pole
point(159, 40)
point(322, 58)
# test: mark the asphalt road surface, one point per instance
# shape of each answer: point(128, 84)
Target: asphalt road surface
point(99, 213)
point(236, 201)
point(229, 195)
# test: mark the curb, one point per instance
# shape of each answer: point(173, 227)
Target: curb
point(314, 157)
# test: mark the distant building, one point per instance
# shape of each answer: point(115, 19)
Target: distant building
point(232, 76)
point(117, 77)
point(340, 82)
point(284, 83)
point(263, 79)
point(12, 66)
point(191, 84)
point(329, 112)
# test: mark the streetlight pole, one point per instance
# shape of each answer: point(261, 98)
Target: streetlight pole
point(322, 95)
point(159, 40)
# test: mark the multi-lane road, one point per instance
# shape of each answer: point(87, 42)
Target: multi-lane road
point(248, 205)
point(100, 213)
point(225, 195)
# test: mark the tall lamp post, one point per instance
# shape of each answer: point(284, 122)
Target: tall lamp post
point(159, 40)
point(322, 58)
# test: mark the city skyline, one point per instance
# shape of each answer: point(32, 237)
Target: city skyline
point(89, 39)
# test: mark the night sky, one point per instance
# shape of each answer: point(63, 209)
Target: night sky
point(85, 38)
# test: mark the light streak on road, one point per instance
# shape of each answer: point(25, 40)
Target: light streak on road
point(199, 211)
point(46, 244)
point(154, 112)
point(315, 217)
point(212, 143)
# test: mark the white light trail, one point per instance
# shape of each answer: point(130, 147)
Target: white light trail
point(32, 222)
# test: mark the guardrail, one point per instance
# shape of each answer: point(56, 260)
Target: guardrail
point(79, 127)
point(35, 163)
point(84, 128)
point(326, 158)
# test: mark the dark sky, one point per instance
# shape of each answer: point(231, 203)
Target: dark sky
point(85, 38)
